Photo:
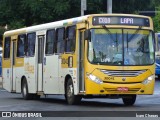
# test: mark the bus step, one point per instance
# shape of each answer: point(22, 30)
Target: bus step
point(81, 92)
point(40, 93)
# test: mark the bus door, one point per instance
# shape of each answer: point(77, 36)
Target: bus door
point(81, 46)
point(13, 67)
point(40, 62)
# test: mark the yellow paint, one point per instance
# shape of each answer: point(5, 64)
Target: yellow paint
point(6, 63)
point(81, 26)
point(70, 22)
point(19, 62)
point(93, 88)
point(14, 37)
point(64, 60)
point(15, 32)
point(74, 72)
point(118, 30)
point(120, 26)
point(29, 68)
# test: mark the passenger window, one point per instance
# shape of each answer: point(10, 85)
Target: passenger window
point(7, 44)
point(20, 45)
point(30, 44)
point(50, 42)
point(70, 39)
point(60, 40)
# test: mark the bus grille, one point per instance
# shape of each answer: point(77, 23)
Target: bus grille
point(123, 73)
point(114, 90)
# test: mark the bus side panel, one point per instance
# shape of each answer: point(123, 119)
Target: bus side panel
point(6, 79)
point(69, 67)
point(19, 73)
point(6, 65)
point(51, 76)
point(73, 73)
point(31, 72)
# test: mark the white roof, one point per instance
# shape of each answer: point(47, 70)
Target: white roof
point(51, 25)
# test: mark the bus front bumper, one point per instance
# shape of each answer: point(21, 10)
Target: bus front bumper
point(116, 88)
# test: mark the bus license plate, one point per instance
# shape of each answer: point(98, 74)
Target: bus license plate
point(122, 89)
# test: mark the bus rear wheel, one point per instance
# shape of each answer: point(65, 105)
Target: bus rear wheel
point(69, 93)
point(24, 90)
point(129, 100)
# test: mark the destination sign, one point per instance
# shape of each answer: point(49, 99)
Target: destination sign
point(120, 20)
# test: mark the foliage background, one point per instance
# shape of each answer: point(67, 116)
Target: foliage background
point(22, 13)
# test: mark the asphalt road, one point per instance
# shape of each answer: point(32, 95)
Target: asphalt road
point(57, 103)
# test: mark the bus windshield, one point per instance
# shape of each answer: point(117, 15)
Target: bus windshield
point(121, 47)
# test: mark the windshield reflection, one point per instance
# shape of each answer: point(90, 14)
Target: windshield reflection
point(121, 47)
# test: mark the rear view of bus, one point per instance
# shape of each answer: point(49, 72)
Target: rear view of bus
point(120, 56)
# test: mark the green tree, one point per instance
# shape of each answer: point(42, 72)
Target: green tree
point(156, 20)
point(24, 13)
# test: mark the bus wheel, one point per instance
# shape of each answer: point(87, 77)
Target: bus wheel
point(24, 90)
point(69, 94)
point(129, 100)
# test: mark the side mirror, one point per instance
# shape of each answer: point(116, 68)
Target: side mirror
point(87, 35)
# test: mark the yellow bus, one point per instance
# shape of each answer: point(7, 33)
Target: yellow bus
point(99, 55)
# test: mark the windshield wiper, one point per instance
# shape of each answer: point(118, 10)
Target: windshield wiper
point(132, 36)
point(116, 42)
point(127, 41)
point(110, 34)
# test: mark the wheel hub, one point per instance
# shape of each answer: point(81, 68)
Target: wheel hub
point(24, 90)
point(70, 91)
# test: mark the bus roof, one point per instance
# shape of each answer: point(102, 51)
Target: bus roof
point(48, 25)
point(61, 23)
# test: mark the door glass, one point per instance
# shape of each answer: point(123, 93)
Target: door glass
point(40, 49)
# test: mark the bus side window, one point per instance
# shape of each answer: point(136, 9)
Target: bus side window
point(7, 44)
point(70, 39)
point(50, 42)
point(60, 43)
point(31, 38)
point(20, 45)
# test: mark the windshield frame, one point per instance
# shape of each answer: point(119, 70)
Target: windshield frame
point(153, 39)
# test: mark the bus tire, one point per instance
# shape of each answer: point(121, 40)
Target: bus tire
point(24, 90)
point(129, 100)
point(69, 93)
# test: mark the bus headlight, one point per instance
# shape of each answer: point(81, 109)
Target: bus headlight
point(148, 80)
point(94, 78)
